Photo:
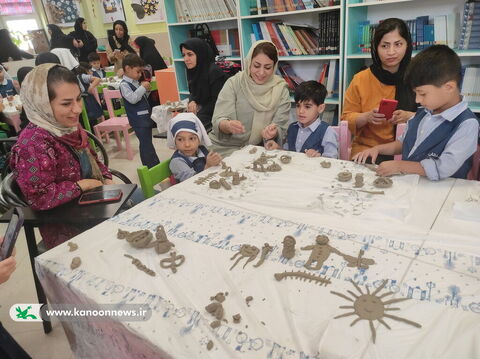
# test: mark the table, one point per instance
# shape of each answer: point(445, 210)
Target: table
point(68, 213)
point(12, 110)
point(287, 318)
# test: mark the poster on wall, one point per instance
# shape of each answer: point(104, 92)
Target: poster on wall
point(61, 12)
point(148, 11)
point(112, 11)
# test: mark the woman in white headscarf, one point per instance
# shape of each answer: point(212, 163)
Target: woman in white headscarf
point(253, 106)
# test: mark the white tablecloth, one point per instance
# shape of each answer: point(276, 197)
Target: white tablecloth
point(12, 107)
point(286, 319)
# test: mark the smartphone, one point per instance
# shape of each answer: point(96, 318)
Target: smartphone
point(111, 195)
point(14, 226)
point(387, 107)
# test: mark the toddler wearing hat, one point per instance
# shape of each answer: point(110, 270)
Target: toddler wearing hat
point(189, 138)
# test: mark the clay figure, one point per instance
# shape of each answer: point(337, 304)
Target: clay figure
point(237, 318)
point(285, 159)
point(359, 261)
point(227, 173)
point(267, 248)
point(209, 345)
point(202, 180)
point(248, 300)
point(75, 263)
point(263, 159)
point(225, 184)
point(219, 297)
point(162, 244)
point(321, 250)
point(140, 265)
point(303, 276)
point(72, 246)
point(358, 180)
point(344, 176)
point(258, 167)
point(137, 239)
point(371, 307)
point(215, 309)
point(383, 182)
point(288, 247)
point(248, 251)
point(215, 324)
point(172, 262)
point(237, 178)
point(253, 150)
point(214, 184)
point(326, 164)
point(274, 167)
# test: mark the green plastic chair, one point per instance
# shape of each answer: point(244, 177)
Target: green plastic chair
point(149, 177)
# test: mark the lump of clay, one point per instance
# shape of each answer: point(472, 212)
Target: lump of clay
point(214, 184)
point(237, 178)
point(358, 180)
point(274, 167)
point(215, 309)
point(75, 263)
point(253, 150)
point(219, 297)
point(285, 159)
point(248, 300)
point(210, 345)
point(225, 184)
point(215, 324)
point(326, 164)
point(137, 239)
point(73, 246)
point(237, 318)
point(344, 176)
point(383, 182)
point(288, 250)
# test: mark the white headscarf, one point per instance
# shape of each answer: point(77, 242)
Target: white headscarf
point(66, 57)
point(188, 122)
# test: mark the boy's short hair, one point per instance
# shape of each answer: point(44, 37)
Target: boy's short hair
point(435, 66)
point(310, 91)
point(93, 56)
point(82, 68)
point(132, 60)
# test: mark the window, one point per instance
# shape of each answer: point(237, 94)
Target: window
point(19, 31)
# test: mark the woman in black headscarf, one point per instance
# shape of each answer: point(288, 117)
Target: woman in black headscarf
point(205, 79)
point(149, 53)
point(47, 58)
point(120, 44)
point(9, 49)
point(391, 52)
point(58, 40)
point(86, 41)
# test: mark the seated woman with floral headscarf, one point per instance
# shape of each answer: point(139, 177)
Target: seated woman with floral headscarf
point(52, 159)
point(253, 105)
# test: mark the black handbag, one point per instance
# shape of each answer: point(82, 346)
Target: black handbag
point(202, 31)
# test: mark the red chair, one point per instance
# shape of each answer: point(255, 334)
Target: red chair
point(344, 140)
point(115, 124)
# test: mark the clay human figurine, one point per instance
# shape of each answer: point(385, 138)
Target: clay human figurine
point(172, 262)
point(358, 180)
point(248, 251)
point(344, 176)
point(321, 250)
point(383, 182)
point(288, 250)
point(267, 248)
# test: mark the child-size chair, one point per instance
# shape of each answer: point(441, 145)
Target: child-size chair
point(149, 177)
point(344, 140)
point(400, 130)
point(115, 124)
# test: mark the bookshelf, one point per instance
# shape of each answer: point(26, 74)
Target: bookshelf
point(308, 67)
point(358, 11)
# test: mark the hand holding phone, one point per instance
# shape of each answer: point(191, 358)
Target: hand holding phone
point(11, 234)
point(387, 107)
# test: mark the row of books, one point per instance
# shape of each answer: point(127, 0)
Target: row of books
point(199, 10)
point(292, 40)
point(227, 41)
point(471, 84)
point(440, 30)
point(470, 31)
point(328, 76)
point(258, 7)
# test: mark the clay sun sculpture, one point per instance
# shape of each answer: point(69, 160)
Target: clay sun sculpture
point(371, 307)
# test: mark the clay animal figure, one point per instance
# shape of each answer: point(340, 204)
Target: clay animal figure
point(202, 180)
point(137, 263)
point(288, 250)
point(344, 176)
point(237, 178)
point(285, 159)
point(383, 182)
point(214, 184)
point(267, 248)
point(172, 262)
point(358, 180)
point(321, 250)
point(326, 164)
point(137, 239)
point(359, 261)
point(246, 251)
point(162, 244)
point(371, 307)
point(303, 276)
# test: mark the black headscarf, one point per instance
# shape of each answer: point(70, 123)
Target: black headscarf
point(204, 73)
point(59, 39)
point(22, 72)
point(47, 58)
point(9, 49)
point(403, 93)
point(149, 53)
point(89, 41)
point(120, 44)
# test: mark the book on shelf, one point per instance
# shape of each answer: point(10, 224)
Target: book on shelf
point(257, 7)
point(470, 29)
point(471, 83)
point(201, 10)
point(227, 41)
point(333, 73)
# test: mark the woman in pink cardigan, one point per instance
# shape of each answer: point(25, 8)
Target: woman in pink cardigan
point(52, 159)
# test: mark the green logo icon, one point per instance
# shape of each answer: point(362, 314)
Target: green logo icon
point(23, 314)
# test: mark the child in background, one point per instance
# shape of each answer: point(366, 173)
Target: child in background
point(94, 61)
point(6, 85)
point(442, 137)
point(188, 136)
point(88, 84)
point(135, 96)
point(309, 134)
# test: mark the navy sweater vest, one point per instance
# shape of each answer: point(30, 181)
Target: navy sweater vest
point(198, 164)
point(314, 141)
point(434, 144)
point(138, 113)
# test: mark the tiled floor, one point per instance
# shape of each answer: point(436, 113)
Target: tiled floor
point(20, 287)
